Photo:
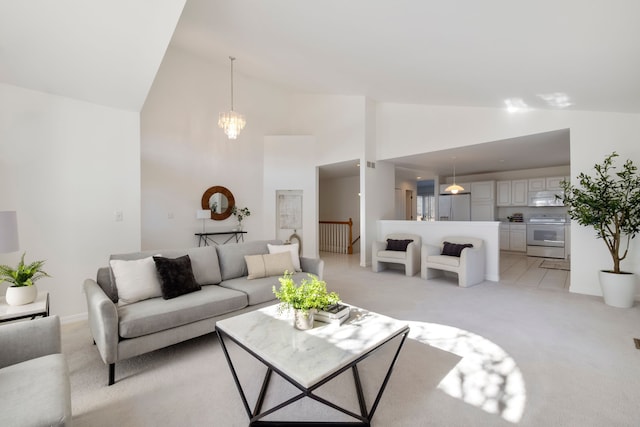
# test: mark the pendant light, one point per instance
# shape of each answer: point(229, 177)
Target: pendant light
point(454, 188)
point(231, 122)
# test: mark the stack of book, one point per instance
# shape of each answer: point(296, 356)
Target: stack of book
point(335, 314)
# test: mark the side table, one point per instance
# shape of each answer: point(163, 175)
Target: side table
point(40, 307)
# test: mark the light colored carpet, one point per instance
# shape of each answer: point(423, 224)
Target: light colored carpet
point(490, 355)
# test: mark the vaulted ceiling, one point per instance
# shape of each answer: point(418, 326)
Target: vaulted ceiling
point(573, 54)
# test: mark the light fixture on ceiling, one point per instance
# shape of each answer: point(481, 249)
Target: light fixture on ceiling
point(454, 188)
point(231, 122)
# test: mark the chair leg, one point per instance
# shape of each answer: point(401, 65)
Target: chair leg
point(112, 373)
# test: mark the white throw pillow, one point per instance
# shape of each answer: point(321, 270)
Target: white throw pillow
point(136, 280)
point(293, 248)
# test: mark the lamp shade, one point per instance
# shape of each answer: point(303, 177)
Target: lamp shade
point(203, 214)
point(8, 232)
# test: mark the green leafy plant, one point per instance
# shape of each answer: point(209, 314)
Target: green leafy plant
point(310, 294)
point(610, 203)
point(240, 213)
point(23, 274)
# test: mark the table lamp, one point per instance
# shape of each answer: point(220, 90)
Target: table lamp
point(8, 232)
point(203, 214)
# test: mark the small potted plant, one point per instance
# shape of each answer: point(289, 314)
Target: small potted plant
point(240, 214)
point(305, 299)
point(610, 203)
point(23, 277)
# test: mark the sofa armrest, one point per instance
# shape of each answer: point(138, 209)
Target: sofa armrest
point(103, 321)
point(312, 265)
point(26, 340)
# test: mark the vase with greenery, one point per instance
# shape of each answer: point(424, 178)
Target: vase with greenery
point(609, 201)
point(240, 214)
point(22, 279)
point(305, 299)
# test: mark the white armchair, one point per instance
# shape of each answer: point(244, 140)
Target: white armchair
point(410, 258)
point(470, 265)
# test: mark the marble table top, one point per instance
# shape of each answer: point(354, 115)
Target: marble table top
point(308, 357)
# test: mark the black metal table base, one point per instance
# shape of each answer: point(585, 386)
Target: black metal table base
point(362, 419)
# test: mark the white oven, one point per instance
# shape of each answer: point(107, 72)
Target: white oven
point(545, 236)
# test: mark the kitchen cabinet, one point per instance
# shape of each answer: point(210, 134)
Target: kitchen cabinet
point(512, 193)
point(537, 184)
point(483, 203)
point(504, 237)
point(550, 183)
point(554, 182)
point(483, 191)
point(513, 237)
point(518, 237)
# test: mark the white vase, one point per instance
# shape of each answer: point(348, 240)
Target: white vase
point(21, 295)
point(618, 290)
point(303, 319)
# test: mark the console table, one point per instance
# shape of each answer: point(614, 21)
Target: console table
point(205, 238)
point(309, 359)
point(40, 307)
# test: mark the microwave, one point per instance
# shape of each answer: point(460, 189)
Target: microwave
point(545, 198)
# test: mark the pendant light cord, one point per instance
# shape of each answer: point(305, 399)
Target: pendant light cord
point(232, 59)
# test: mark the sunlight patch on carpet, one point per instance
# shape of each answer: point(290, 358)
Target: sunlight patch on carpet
point(486, 376)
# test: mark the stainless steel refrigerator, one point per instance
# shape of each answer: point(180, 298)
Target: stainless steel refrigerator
point(454, 207)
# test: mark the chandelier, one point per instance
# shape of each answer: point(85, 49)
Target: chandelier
point(231, 122)
point(454, 188)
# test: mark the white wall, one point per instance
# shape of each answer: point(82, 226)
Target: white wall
point(66, 166)
point(339, 200)
point(409, 129)
point(290, 164)
point(184, 152)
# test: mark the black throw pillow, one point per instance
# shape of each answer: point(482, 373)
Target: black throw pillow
point(398, 245)
point(176, 276)
point(454, 249)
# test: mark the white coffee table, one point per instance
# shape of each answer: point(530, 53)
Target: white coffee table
point(40, 307)
point(309, 359)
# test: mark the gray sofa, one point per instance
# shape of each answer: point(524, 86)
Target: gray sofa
point(121, 332)
point(34, 377)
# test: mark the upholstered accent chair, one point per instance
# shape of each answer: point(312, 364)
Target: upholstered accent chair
point(34, 377)
point(390, 251)
point(469, 264)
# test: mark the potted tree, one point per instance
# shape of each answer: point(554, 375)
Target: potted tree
point(23, 277)
point(609, 202)
point(305, 299)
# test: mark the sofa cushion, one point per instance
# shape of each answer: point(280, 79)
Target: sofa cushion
point(267, 265)
point(259, 290)
point(452, 261)
point(176, 276)
point(135, 280)
point(231, 256)
point(392, 255)
point(36, 393)
point(293, 249)
point(157, 314)
point(454, 249)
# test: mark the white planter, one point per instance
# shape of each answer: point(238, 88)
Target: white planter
point(302, 319)
point(21, 295)
point(618, 290)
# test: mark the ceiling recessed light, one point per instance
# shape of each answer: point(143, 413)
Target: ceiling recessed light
point(516, 105)
point(556, 99)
